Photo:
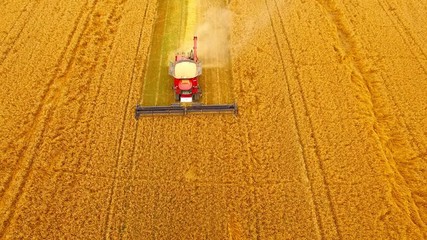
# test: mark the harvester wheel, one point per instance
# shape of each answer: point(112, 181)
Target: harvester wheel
point(177, 97)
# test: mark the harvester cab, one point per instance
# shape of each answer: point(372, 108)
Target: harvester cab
point(185, 71)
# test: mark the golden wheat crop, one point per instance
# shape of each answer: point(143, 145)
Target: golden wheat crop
point(330, 141)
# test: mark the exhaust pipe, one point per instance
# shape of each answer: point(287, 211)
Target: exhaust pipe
point(195, 49)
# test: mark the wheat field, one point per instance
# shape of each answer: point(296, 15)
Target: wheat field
point(330, 141)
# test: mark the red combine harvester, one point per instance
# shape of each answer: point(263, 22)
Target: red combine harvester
point(185, 71)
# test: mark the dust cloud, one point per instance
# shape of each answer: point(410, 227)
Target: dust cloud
point(213, 39)
point(214, 34)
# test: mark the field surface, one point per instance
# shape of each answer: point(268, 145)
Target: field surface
point(330, 141)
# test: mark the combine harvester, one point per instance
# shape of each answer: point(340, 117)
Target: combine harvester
point(185, 71)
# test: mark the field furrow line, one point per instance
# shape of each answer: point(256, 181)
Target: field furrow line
point(79, 45)
point(110, 208)
point(52, 96)
point(21, 173)
point(15, 22)
point(319, 161)
point(79, 173)
point(414, 150)
point(110, 200)
point(405, 28)
point(59, 172)
point(102, 59)
point(370, 83)
point(317, 220)
point(8, 149)
point(249, 163)
point(6, 52)
point(410, 44)
point(415, 143)
point(92, 121)
point(49, 88)
point(49, 94)
point(146, 180)
point(91, 76)
point(153, 216)
point(131, 178)
point(51, 81)
point(253, 230)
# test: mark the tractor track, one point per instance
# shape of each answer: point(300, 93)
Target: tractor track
point(416, 144)
point(62, 77)
point(376, 89)
point(390, 117)
point(50, 89)
point(156, 193)
point(402, 30)
point(6, 52)
point(92, 122)
point(126, 115)
point(132, 178)
point(319, 163)
point(317, 220)
point(102, 60)
point(50, 83)
point(89, 74)
point(14, 23)
point(414, 139)
point(27, 162)
point(9, 147)
point(138, 126)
